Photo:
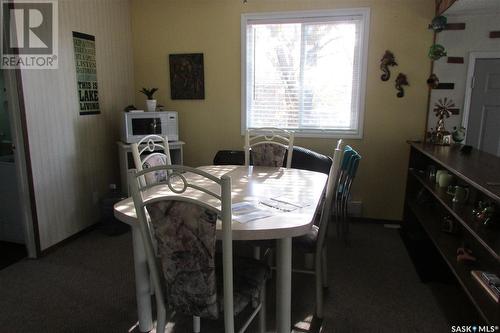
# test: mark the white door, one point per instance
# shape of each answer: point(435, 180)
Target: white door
point(483, 124)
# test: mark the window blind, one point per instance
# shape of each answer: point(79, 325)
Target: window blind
point(303, 73)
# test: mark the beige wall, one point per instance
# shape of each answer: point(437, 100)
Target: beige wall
point(74, 157)
point(161, 27)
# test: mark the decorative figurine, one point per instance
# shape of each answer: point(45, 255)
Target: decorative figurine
point(386, 61)
point(484, 213)
point(437, 51)
point(438, 23)
point(442, 110)
point(465, 255)
point(458, 134)
point(449, 225)
point(431, 136)
point(401, 80)
point(433, 81)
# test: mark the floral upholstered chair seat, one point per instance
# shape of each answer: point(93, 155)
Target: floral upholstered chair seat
point(268, 154)
point(185, 234)
point(156, 159)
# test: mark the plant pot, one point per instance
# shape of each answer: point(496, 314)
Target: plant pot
point(151, 105)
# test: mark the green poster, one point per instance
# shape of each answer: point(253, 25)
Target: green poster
point(86, 73)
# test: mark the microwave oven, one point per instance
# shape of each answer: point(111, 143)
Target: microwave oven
point(137, 125)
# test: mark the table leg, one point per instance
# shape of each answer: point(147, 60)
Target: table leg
point(283, 285)
point(142, 288)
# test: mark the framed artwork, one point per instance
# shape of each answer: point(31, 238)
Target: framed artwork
point(186, 76)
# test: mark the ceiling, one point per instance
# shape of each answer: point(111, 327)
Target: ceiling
point(462, 7)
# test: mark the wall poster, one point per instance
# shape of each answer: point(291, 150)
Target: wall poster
point(86, 73)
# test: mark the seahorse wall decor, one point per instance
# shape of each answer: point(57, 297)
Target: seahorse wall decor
point(386, 61)
point(401, 81)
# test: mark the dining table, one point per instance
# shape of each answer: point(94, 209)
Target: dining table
point(298, 194)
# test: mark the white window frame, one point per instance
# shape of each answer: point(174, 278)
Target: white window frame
point(362, 53)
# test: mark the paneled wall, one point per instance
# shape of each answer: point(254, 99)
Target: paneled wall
point(74, 157)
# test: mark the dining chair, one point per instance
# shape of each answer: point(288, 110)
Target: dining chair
point(187, 272)
point(151, 151)
point(313, 243)
point(307, 159)
point(267, 146)
point(348, 170)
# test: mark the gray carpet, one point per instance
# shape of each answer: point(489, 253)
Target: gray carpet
point(88, 286)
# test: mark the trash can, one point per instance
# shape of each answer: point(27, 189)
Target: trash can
point(109, 224)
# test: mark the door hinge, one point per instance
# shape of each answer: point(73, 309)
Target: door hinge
point(473, 82)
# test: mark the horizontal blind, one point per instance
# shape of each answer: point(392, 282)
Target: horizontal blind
point(303, 73)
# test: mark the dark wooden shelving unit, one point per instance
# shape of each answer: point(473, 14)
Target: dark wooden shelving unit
point(427, 204)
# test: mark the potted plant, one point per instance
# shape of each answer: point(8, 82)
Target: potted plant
point(150, 102)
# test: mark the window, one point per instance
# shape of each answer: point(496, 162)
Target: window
point(305, 71)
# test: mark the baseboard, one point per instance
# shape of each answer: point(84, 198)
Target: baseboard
point(54, 247)
point(374, 221)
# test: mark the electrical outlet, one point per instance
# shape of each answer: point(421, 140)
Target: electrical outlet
point(355, 208)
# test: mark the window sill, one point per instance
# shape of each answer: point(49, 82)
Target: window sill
point(330, 134)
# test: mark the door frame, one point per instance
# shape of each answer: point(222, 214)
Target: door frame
point(473, 57)
point(17, 117)
point(22, 157)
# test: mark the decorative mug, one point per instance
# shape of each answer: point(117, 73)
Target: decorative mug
point(448, 225)
point(451, 190)
point(439, 173)
point(445, 179)
point(461, 194)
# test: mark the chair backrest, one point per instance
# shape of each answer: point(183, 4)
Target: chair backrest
point(345, 164)
point(229, 157)
point(350, 172)
point(151, 151)
point(268, 146)
point(331, 188)
point(184, 229)
point(306, 159)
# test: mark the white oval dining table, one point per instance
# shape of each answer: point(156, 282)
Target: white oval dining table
point(249, 184)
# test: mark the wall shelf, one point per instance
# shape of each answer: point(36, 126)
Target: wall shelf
point(455, 60)
point(494, 34)
point(455, 26)
point(443, 86)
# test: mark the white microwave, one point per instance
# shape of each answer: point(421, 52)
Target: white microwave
point(137, 125)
